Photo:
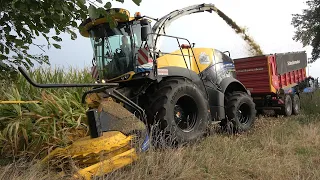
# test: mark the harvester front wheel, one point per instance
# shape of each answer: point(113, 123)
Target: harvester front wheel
point(240, 109)
point(178, 111)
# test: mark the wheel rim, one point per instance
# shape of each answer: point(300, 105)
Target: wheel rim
point(185, 113)
point(288, 108)
point(244, 113)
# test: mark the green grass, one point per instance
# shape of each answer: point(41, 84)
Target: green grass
point(276, 148)
point(310, 103)
point(269, 152)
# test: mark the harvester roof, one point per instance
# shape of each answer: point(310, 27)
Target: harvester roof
point(120, 15)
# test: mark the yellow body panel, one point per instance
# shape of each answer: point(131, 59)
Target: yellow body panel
point(119, 78)
point(175, 59)
point(108, 142)
point(84, 32)
point(113, 150)
point(100, 155)
point(109, 165)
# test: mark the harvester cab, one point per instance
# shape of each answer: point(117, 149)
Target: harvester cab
point(142, 91)
point(116, 48)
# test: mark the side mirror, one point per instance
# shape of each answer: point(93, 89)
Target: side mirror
point(144, 33)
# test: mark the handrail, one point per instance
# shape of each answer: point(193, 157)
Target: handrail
point(177, 38)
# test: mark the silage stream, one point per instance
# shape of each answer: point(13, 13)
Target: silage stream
point(254, 47)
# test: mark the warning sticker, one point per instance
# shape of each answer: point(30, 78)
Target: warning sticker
point(163, 72)
point(204, 58)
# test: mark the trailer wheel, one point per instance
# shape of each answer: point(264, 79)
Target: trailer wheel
point(241, 111)
point(296, 105)
point(287, 109)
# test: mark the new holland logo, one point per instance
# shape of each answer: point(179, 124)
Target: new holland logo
point(290, 63)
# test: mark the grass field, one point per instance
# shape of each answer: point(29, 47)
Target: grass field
point(276, 148)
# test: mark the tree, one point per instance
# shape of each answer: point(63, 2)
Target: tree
point(22, 21)
point(307, 27)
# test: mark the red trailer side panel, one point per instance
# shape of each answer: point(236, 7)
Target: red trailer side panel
point(260, 74)
point(291, 78)
point(253, 72)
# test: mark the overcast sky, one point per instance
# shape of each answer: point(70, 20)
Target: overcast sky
point(268, 22)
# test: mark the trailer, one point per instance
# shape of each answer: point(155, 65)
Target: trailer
point(275, 80)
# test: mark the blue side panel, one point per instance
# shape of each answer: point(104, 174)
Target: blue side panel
point(308, 90)
point(146, 144)
point(289, 91)
point(229, 66)
point(293, 91)
point(143, 69)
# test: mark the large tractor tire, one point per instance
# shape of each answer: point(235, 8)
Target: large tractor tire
point(286, 110)
point(178, 111)
point(240, 110)
point(296, 105)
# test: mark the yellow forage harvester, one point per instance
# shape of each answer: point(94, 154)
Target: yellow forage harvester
point(139, 85)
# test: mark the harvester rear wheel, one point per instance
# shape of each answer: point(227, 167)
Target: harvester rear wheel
point(178, 111)
point(240, 109)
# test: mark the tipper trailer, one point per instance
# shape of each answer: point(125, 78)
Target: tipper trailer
point(274, 80)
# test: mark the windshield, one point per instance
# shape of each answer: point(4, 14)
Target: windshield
point(115, 49)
